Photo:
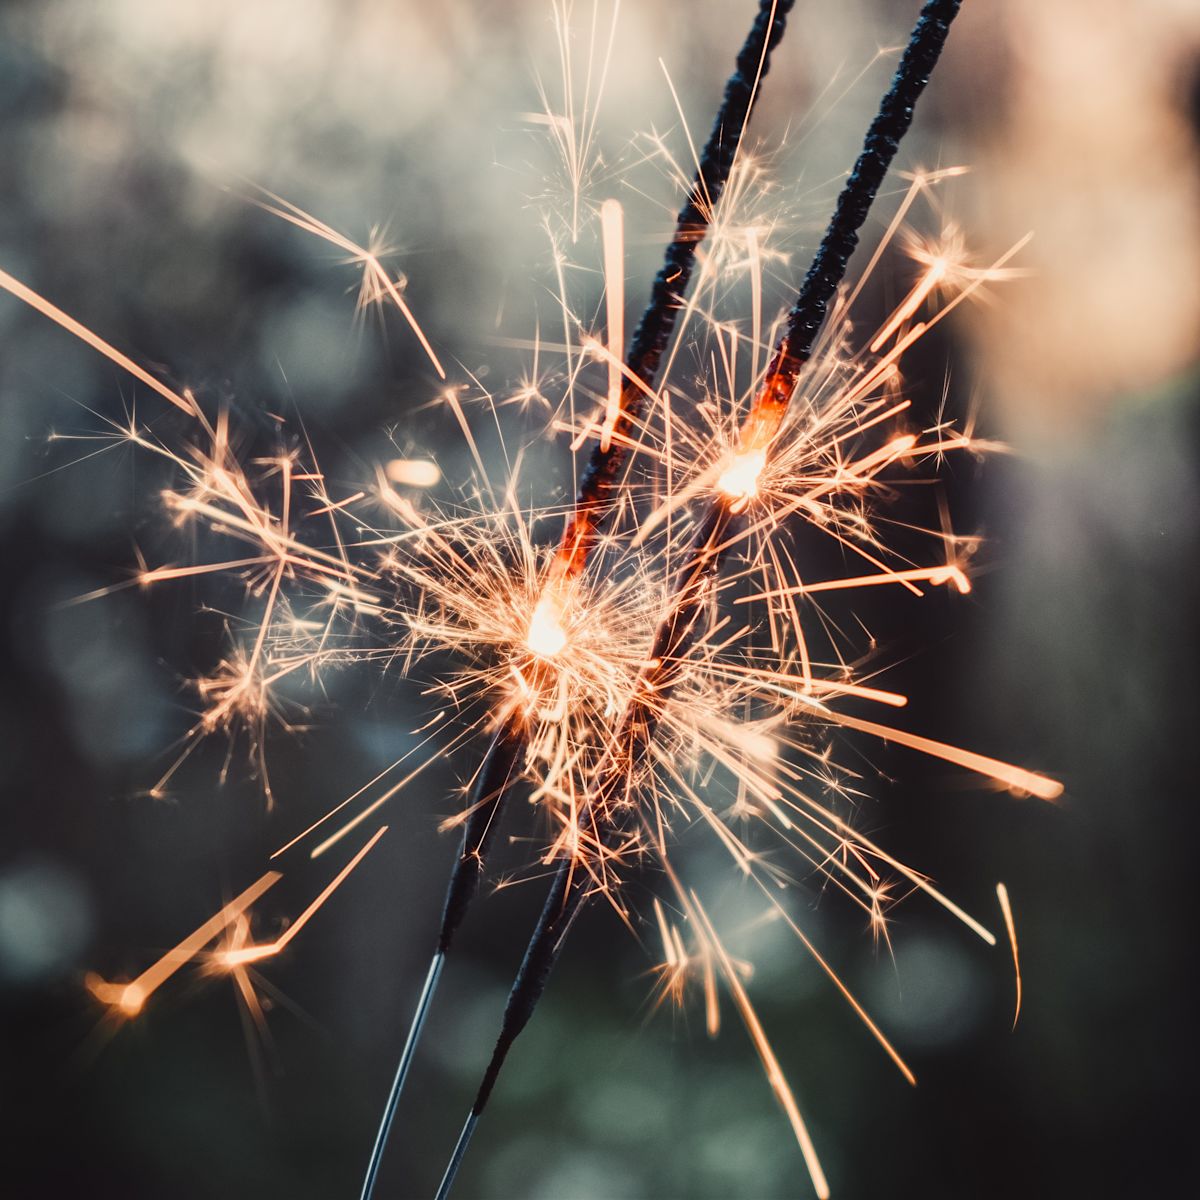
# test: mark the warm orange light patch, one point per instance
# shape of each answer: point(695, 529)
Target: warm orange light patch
point(414, 472)
point(125, 998)
point(739, 480)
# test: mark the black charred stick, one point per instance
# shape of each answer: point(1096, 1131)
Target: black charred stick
point(649, 342)
point(653, 334)
point(674, 639)
point(594, 499)
point(883, 139)
point(491, 785)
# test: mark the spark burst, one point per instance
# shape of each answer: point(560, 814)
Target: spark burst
point(650, 657)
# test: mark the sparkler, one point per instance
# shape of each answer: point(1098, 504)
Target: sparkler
point(606, 807)
point(629, 386)
point(612, 679)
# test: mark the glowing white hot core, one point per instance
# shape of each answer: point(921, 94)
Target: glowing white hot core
point(546, 636)
point(740, 478)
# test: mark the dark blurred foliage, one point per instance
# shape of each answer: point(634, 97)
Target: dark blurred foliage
point(126, 132)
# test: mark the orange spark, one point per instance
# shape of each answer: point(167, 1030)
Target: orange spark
point(932, 277)
point(248, 954)
point(935, 575)
point(612, 226)
point(1010, 925)
point(1016, 779)
point(85, 335)
point(128, 999)
point(774, 1072)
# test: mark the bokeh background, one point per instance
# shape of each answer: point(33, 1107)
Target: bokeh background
point(128, 132)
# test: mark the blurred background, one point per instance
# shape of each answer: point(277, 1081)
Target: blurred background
point(130, 134)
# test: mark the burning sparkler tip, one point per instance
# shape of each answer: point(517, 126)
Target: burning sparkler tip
point(739, 480)
point(546, 636)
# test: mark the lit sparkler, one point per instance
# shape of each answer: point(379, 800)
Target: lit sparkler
point(666, 646)
point(630, 386)
point(609, 809)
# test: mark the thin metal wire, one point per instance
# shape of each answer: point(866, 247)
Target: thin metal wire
point(406, 1057)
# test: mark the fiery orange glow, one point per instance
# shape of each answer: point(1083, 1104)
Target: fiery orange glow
point(546, 636)
point(545, 618)
point(128, 999)
point(739, 480)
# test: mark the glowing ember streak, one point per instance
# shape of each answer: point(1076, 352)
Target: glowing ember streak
point(1016, 779)
point(669, 949)
point(775, 1075)
point(248, 954)
point(333, 839)
point(85, 335)
point(935, 575)
point(847, 995)
point(128, 999)
point(1010, 926)
point(612, 224)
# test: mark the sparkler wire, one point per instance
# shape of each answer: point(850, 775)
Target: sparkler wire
point(406, 1057)
point(593, 501)
point(572, 884)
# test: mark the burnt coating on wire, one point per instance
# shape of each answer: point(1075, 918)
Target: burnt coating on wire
point(599, 477)
point(654, 331)
point(572, 884)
